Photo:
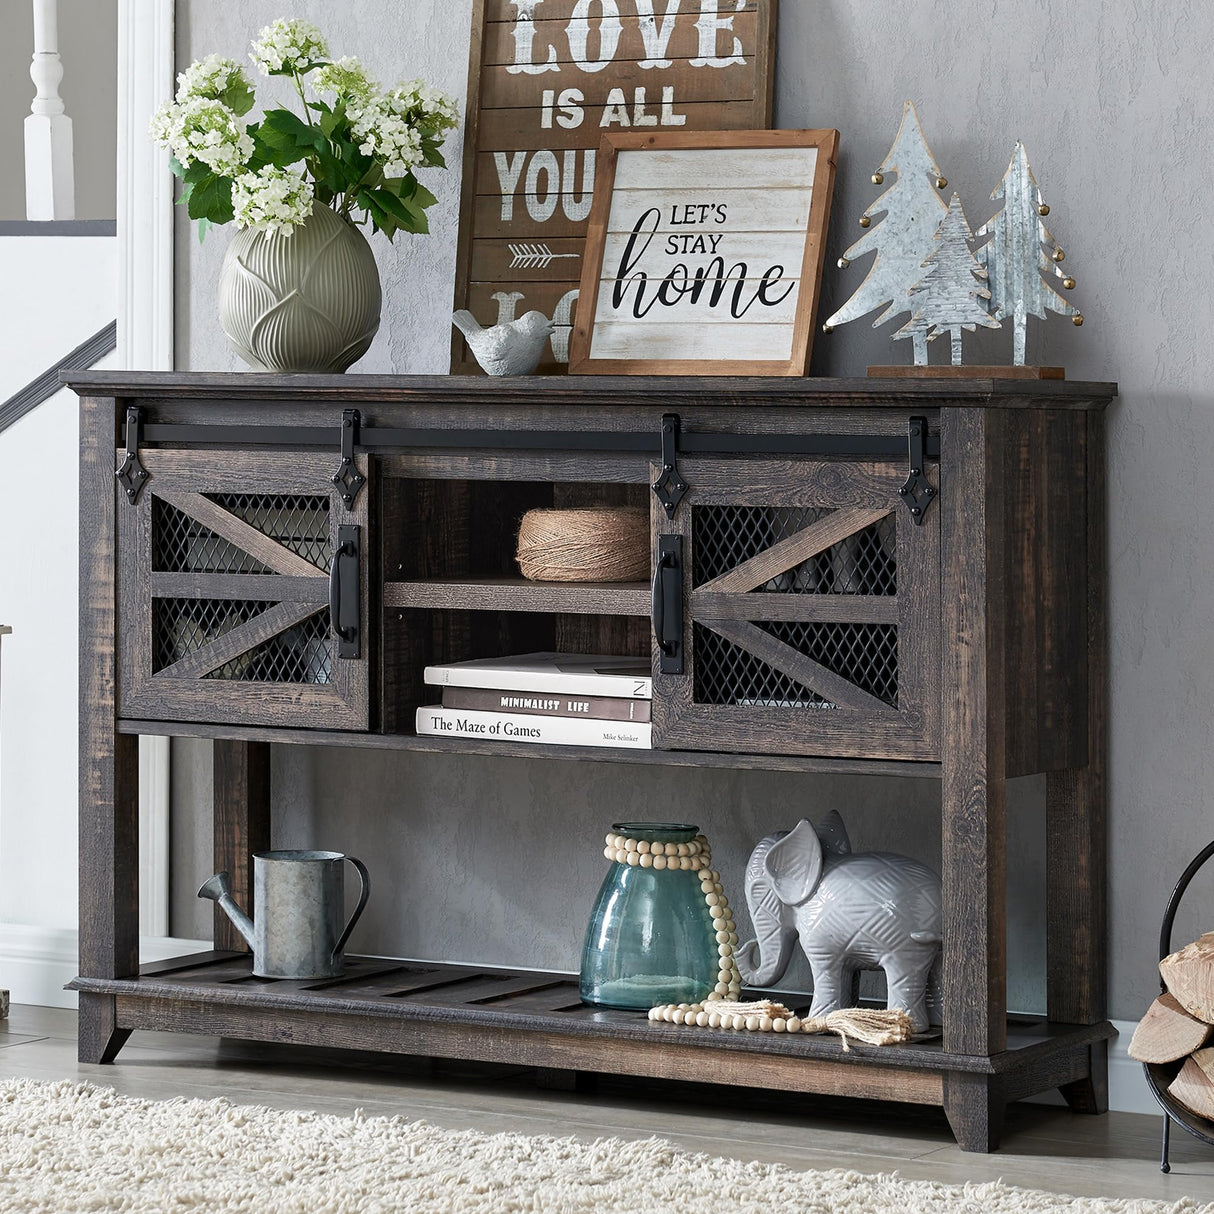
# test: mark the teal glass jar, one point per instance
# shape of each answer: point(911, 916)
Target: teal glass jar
point(651, 937)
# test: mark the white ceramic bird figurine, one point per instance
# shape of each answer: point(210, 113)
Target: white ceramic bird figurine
point(513, 348)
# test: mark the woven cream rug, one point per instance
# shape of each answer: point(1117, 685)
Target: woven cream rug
point(74, 1147)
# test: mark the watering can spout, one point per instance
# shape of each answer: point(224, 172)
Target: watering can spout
point(219, 889)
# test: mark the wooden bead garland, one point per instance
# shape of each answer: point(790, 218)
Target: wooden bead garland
point(873, 1026)
point(695, 856)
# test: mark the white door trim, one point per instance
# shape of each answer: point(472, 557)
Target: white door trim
point(145, 339)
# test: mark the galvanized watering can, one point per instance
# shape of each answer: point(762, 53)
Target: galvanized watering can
point(299, 900)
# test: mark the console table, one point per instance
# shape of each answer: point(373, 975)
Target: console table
point(897, 577)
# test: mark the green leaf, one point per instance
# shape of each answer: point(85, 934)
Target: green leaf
point(203, 225)
point(238, 96)
point(422, 196)
point(198, 172)
point(212, 199)
point(274, 146)
point(332, 120)
point(176, 167)
point(381, 219)
point(281, 129)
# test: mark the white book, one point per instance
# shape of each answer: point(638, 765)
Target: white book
point(439, 722)
point(580, 674)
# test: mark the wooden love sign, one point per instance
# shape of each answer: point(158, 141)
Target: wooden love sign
point(546, 80)
point(704, 255)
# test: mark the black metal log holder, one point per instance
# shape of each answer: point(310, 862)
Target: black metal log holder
point(1160, 1074)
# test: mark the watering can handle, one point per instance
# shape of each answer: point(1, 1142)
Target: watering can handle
point(364, 876)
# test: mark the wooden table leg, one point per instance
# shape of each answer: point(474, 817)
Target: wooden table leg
point(109, 762)
point(973, 767)
point(974, 1106)
point(242, 826)
point(1076, 825)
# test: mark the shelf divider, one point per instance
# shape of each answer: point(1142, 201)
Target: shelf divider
point(518, 594)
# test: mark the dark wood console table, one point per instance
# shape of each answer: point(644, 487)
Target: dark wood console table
point(280, 557)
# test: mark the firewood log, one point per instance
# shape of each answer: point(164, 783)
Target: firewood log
point(1168, 1032)
point(1193, 1086)
point(1189, 976)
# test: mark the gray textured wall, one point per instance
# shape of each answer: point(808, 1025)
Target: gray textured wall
point(1116, 125)
point(88, 46)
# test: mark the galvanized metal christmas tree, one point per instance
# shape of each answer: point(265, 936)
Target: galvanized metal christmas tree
point(1020, 253)
point(904, 238)
point(950, 296)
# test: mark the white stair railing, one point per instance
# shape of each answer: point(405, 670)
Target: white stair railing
point(50, 186)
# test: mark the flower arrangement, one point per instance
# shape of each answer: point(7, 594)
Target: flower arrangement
point(354, 149)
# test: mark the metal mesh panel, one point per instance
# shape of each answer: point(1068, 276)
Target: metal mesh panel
point(180, 626)
point(725, 536)
point(299, 522)
point(863, 654)
point(302, 654)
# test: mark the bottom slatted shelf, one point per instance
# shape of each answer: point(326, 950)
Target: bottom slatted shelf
point(535, 1018)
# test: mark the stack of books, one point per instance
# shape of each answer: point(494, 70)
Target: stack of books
point(563, 699)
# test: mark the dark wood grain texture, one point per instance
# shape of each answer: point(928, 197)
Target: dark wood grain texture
point(1045, 469)
point(973, 589)
point(1076, 799)
point(975, 1106)
point(902, 723)
point(241, 826)
point(109, 763)
point(598, 393)
point(179, 631)
point(425, 1007)
point(725, 760)
point(516, 594)
point(1001, 661)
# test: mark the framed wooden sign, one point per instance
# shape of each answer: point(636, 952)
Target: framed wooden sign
point(546, 79)
point(704, 255)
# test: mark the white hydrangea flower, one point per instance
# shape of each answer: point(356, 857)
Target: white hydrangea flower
point(288, 45)
point(205, 130)
point(424, 104)
point(387, 137)
point(347, 80)
point(272, 199)
point(210, 78)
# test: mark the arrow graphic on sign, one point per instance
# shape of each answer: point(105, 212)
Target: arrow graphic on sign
point(533, 256)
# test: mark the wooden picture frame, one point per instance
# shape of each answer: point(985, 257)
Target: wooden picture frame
point(718, 217)
point(545, 80)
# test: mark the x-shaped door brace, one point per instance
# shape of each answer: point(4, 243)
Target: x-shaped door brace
point(726, 606)
point(278, 617)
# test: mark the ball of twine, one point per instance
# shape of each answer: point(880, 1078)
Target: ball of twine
point(610, 544)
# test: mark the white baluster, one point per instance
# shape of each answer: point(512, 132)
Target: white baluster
point(50, 187)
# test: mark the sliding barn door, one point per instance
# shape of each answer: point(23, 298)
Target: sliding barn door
point(232, 565)
point(808, 615)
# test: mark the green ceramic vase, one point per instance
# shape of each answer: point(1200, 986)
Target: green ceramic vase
point(651, 937)
point(307, 301)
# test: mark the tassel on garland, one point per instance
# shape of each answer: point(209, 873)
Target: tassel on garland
point(873, 1026)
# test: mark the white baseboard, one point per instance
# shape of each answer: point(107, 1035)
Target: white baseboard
point(37, 962)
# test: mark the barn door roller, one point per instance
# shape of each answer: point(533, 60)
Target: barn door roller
point(918, 491)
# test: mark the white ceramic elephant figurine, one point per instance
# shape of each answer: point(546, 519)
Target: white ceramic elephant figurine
point(872, 910)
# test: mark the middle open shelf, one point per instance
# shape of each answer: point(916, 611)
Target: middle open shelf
point(518, 594)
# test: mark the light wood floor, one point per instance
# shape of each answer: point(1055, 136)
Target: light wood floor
point(1046, 1148)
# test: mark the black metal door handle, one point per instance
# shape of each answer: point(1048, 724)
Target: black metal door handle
point(667, 605)
point(345, 607)
point(658, 613)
